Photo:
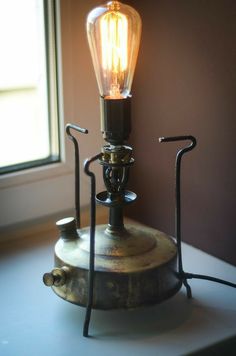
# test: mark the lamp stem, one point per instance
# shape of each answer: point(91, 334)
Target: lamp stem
point(116, 219)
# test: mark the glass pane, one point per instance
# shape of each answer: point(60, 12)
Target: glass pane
point(24, 116)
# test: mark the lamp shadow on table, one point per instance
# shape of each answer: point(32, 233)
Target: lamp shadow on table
point(175, 316)
point(145, 321)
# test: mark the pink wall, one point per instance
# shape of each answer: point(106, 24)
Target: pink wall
point(185, 83)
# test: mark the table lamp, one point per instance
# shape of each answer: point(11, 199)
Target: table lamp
point(115, 266)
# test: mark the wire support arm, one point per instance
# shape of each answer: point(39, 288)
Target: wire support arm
point(178, 161)
point(92, 240)
point(77, 128)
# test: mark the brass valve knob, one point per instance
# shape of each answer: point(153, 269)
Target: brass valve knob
point(55, 278)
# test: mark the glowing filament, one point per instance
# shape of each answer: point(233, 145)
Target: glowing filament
point(114, 41)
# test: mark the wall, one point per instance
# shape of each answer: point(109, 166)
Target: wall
point(185, 83)
point(80, 91)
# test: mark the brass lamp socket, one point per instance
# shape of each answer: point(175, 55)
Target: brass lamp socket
point(116, 120)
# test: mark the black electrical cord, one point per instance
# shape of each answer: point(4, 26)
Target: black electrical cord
point(186, 275)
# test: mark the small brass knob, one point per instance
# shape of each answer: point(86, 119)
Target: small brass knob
point(67, 228)
point(55, 278)
point(48, 279)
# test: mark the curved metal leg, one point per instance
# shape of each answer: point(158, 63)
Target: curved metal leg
point(184, 276)
point(92, 241)
point(77, 167)
point(179, 155)
point(187, 286)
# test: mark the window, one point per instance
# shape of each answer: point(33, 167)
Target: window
point(48, 190)
point(29, 134)
point(38, 191)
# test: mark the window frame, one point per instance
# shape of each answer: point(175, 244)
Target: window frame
point(51, 65)
point(47, 167)
point(15, 187)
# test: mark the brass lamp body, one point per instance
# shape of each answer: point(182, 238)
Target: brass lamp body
point(134, 265)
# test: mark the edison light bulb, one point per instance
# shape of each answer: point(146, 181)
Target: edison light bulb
point(114, 31)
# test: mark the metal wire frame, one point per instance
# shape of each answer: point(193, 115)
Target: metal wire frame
point(92, 240)
point(184, 276)
point(179, 156)
point(77, 167)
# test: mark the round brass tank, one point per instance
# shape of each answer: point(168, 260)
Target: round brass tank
point(136, 266)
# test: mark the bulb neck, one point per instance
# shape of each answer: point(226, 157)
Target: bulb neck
point(115, 119)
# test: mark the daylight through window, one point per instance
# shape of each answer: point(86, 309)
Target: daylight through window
point(28, 95)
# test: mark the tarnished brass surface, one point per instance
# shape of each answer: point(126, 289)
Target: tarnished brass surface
point(135, 267)
point(55, 278)
point(117, 155)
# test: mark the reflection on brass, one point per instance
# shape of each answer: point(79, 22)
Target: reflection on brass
point(117, 155)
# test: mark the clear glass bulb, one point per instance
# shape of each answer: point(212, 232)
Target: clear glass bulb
point(114, 31)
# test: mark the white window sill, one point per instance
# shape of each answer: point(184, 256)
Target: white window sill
point(35, 320)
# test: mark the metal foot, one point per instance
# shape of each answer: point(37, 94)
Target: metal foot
point(188, 289)
point(77, 167)
point(87, 321)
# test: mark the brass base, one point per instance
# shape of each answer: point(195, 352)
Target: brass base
point(134, 266)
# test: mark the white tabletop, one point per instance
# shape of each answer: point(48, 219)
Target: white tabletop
point(34, 321)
